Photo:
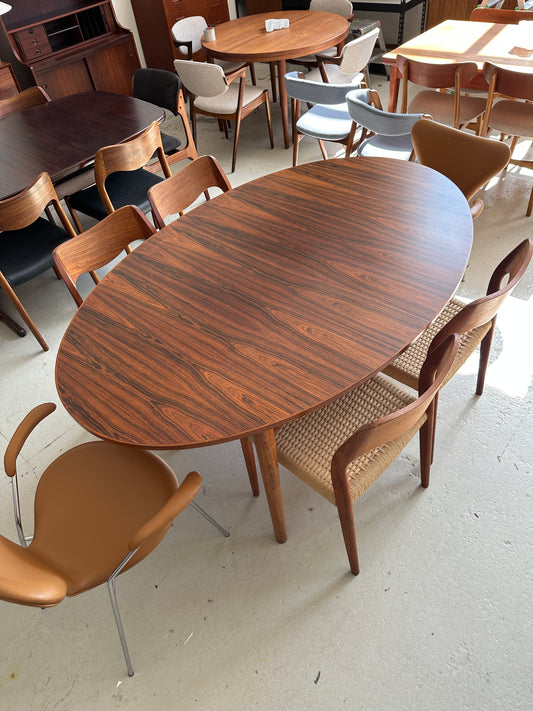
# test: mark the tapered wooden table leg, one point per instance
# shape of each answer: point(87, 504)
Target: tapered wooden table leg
point(266, 452)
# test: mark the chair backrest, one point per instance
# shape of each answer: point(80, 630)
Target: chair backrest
point(434, 76)
point(100, 244)
point(33, 96)
point(479, 312)
point(344, 8)
point(187, 35)
point(396, 424)
point(504, 17)
point(174, 195)
point(26, 207)
point(127, 156)
point(355, 55)
point(364, 107)
point(157, 86)
point(201, 78)
point(315, 92)
point(510, 82)
point(466, 159)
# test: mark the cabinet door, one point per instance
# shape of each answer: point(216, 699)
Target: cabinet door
point(113, 67)
point(64, 79)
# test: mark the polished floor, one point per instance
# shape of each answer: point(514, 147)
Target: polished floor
point(440, 616)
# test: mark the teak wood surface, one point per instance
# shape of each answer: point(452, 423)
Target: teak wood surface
point(61, 137)
point(246, 39)
point(461, 41)
point(263, 304)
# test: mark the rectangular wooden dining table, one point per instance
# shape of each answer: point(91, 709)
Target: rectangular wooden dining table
point(461, 41)
point(263, 304)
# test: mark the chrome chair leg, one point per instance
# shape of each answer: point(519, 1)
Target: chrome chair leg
point(209, 518)
point(113, 597)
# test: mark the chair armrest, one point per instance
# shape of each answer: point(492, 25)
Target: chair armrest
point(184, 43)
point(179, 501)
point(22, 433)
point(237, 74)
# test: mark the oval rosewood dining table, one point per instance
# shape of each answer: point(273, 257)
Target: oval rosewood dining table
point(263, 304)
point(246, 39)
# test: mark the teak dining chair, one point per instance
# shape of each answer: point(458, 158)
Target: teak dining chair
point(33, 96)
point(513, 114)
point(326, 120)
point(499, 16)
point(475, 322)
point(453, 109)
point(340, 449)
point(27, 241)
point(384, 134)
point(224, 97)
point(163, 88)
point(100, 508)
point(351, 65)
point(120, 177)
point(177, 193)
point(100, 245)
point(467, 160)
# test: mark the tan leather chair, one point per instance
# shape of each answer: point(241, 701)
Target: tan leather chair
point(177, 193)
point(467, 160)
point(27, 241)
point(100, 508)
point(342, 448)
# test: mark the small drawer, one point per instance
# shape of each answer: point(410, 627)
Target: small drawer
point(33, 42)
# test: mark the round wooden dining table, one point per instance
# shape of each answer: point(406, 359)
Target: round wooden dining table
point(263, 304)
point(246, 39)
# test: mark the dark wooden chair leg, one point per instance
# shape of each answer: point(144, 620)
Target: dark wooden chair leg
point(13, 325)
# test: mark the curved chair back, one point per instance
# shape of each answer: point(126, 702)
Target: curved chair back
point(129, 156)
point(434, 76)
point(344, 8)
point(23, 100)
point(355, 55)
point(489, 14)
point(510, 82)
point(201, 78)
point(467, 160)
point(157, 86)
point(176, 194)
point(99, 245)
point(187, 35)
point(363, 111)
point(315, 92)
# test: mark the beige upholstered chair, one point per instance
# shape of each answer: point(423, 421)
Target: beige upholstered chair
point(342, 448)
point(467, 160)
point(453, 109)
point(227, 98)
point(27, 241)
point(337, 7)
point(474, 321)
point(351, 65)
point(100, 508)
point(512, 115)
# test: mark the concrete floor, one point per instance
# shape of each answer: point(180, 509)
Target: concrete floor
point(440, 616)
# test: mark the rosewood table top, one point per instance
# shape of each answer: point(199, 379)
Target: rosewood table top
point(263, 304)
point(246, 39)
point(62, 136)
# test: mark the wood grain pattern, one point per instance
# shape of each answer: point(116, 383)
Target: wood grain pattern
point(62, 136)
point(264, 303)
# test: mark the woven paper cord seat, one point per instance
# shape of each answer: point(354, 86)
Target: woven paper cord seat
point(406, 367)
point(306, 446)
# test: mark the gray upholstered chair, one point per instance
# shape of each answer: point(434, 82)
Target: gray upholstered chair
point(390, 133)
point(327, 120)
point(227, 98)
point(351, 65)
